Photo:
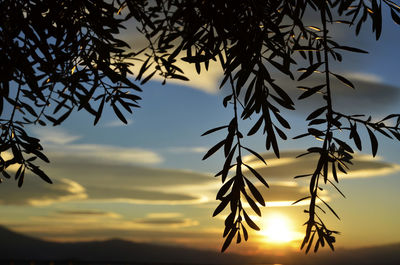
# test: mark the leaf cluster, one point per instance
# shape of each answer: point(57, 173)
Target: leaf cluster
point(57, 57)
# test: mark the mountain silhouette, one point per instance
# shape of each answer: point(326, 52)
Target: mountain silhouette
point(18, 247)
point(15, 246)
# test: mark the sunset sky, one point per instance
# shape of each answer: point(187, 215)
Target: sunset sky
point(146, 182)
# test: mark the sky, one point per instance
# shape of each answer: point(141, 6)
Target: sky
point(146, 181)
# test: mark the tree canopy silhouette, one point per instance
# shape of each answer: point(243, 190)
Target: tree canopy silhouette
point(62, 56)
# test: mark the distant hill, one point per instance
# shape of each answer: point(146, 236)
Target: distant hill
point(15, 246)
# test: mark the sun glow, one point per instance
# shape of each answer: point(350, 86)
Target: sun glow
point(277, 229)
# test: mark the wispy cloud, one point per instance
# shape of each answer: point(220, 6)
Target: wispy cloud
point(54, 135)
point(364, 166)
point(370, 90)
point(59, 143)
point(165, 220)
point(182, 150)
point(367, 77)
point(103, 181)
point(117, 123)
point(80, 213)
point(106, 153)
point(35, 192)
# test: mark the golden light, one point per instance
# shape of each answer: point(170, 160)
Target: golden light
point(277, 229)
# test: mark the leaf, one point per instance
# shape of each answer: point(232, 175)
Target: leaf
point(302, 199)
point(119, 114)
point(221, 206)
point(343, 80)
point(250, 222)
point(330, 241)
point(99, 111)
point(257, 175)
point(316, 122)
point(252, 203)
point(341, 193)
point(224, 189)
point(40, 173)
point(257, 195)
point(227, 164)
point(5, 174)
point(245, 234)
point(21, 178)
point(344, 145)
point(255, 154)
point(310, 243)
point(374, 142)
point(18, 173)
point(303, 176)
point(180, 77)
point(228, 144)
point(351, 49)
point(62, 118)
point(282, 121)
point(228, 239)
point(144, 81)
point(214, 130)
point(327, 205)
point(356, 137)
point(334, 173)
point(301, 136)
point(41, 156)
point(310, 91)
point(239, 239)
point(214, 149)
point(309, 71)
point(316, 113)
point(256, 126)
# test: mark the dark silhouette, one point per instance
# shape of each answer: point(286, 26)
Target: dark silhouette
point(61, 56)
point(22, 249)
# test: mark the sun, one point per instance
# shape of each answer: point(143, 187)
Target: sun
point(277, 229)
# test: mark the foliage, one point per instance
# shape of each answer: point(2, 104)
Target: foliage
point(68, 54)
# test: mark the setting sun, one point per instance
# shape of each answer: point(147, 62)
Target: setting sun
point(278, 230)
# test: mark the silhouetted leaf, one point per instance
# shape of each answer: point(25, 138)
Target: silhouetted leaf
point(395, 17)
point(344, 80)
point(214, 130)
point(257, 195)
point(250, 222)
point(302, 199)
point(256, 126)
point(351, 49)
point(310, 91)
point(99, 112)
point(309, 71)
point(374, 142)
point(252, 203)
point(245, 234)
point(40, 173)
point(255, 154)
point(224, 189)
point(214, 149)
point(228, 240)
point(119, 114)
point(221, 206)
point(257, 175)
point(330, 208)
point(316, 113)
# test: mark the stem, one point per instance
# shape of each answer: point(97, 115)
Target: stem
point(235, 99)
point(323, 156)
point(16, 101)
